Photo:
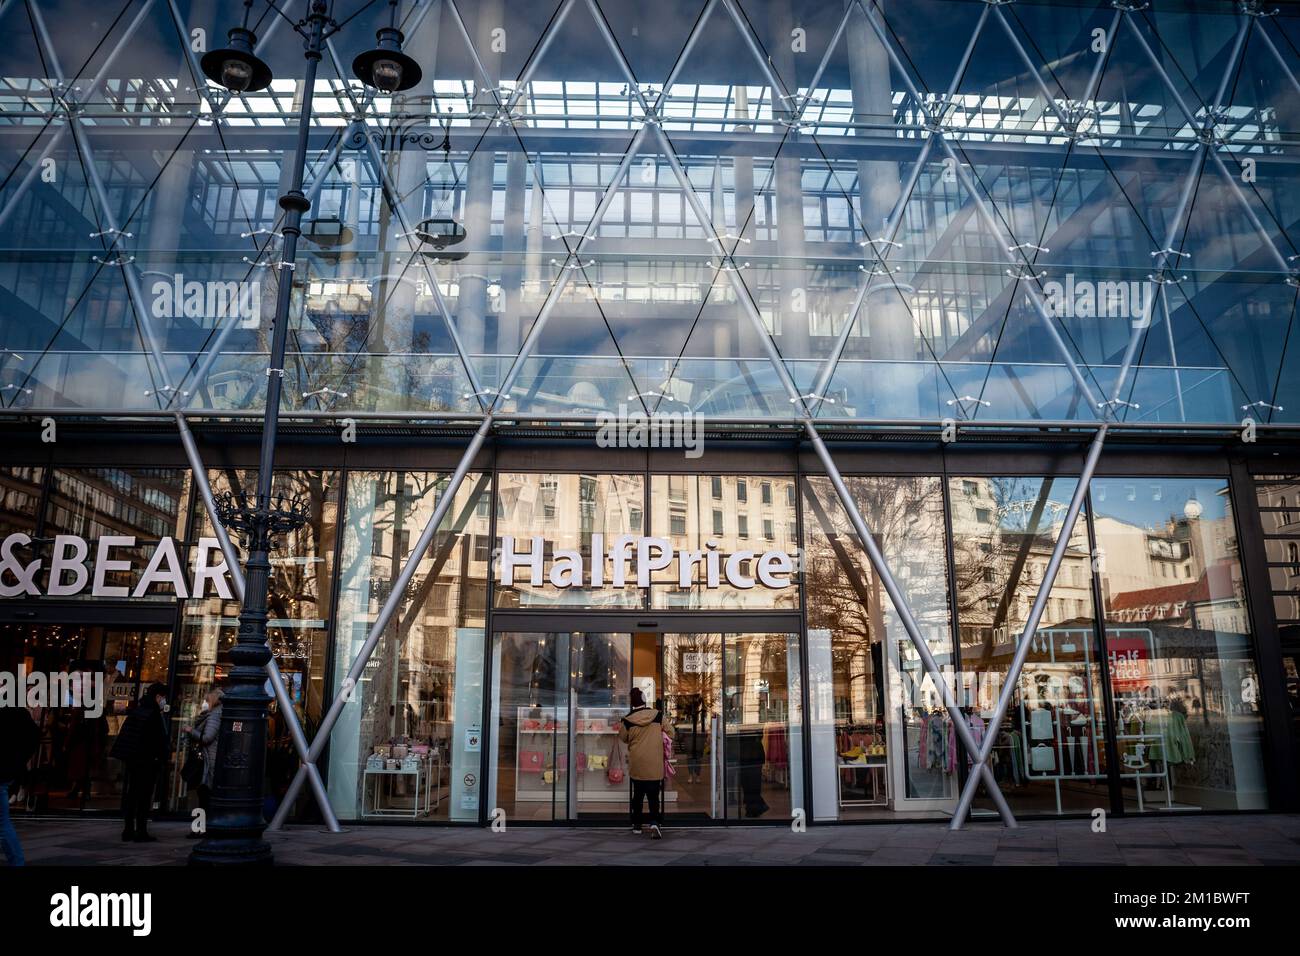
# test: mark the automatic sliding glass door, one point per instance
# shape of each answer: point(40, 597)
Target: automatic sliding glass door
point(556, 703)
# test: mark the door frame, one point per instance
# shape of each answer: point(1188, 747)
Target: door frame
point(631, 621)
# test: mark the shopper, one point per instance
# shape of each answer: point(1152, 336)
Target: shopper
point(142, 744)
point(204, 733)
point(18, 739)
point(643, 731)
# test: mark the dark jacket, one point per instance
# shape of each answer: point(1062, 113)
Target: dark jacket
point(18, 740)
point(204, 733)
point(144, 737)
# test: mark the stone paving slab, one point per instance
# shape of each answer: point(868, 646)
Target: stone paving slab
point(1158, 841)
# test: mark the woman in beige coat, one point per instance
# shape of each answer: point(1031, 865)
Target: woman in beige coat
point(643, 731)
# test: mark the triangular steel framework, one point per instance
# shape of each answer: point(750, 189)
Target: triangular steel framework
point(1020, 267)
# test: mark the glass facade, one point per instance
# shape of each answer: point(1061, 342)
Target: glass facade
point(898, 272)
point(747, 232)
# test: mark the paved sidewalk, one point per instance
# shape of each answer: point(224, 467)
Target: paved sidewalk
point(1154, 841)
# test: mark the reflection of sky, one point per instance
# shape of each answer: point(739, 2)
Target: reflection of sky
point(1157, 500)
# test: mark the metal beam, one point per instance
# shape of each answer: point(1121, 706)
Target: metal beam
point(1207, 132)
point(237, 580)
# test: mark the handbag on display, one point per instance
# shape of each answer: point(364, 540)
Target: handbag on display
point(582, 761)
point(598, 762)
point(617, 763)
point(548, 776)
point(530, 761)
point(1042, 758)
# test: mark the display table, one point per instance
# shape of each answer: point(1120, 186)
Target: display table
point(876, 768)
point(428, 796)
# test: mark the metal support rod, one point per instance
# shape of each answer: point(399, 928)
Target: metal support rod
point(825, 62)
point(682, 57)
point(1262, 33)
point(1208, 132)
point(902, 609)
point(1012, 678)
point(237, 580)
point(395, 597)
point(780, 95)
point(531, 67)
point(1032, 68)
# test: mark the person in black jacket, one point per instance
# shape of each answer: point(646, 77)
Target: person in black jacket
point(18, 740)
point(143, 744)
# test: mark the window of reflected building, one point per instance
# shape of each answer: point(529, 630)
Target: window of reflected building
point(1189, 728)
point(699, 513)
point(574, 515)
point(407, 742)
point(879, 732)
point(1049, 755)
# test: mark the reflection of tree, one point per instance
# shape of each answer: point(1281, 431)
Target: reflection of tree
point(844, 595)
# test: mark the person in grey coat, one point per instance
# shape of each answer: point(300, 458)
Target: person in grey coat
point(205, 732)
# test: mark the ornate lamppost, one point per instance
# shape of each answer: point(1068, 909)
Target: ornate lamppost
point(235, 821)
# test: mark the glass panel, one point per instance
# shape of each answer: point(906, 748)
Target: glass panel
point(692, 695)
point(20, 498)
point(601, 676)
point(763, 719)
point(408, 743)
point(741, 519)
point(528, 768)
point(1182, 662)
point(144, 503)
point(875, 712)
point(574, 514)
point(1050, 754)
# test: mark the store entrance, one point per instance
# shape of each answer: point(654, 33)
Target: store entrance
point(731, 697)
point(72, 770)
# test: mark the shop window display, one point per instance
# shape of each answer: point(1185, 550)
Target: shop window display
point(1050, 752)
point(407, 744)
point(880, 736)
point(1189, 729)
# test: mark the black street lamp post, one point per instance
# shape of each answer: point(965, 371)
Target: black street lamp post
point(235, 820)
point(236, 823)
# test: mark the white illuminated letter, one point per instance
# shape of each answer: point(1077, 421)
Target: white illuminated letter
point(203, 573)
point(645, 563)
point(103, 565)
point(61, 561)
point(734, 576)
point(566, 572)
point(510, 560)
point(774, 563)
point(155, 573)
